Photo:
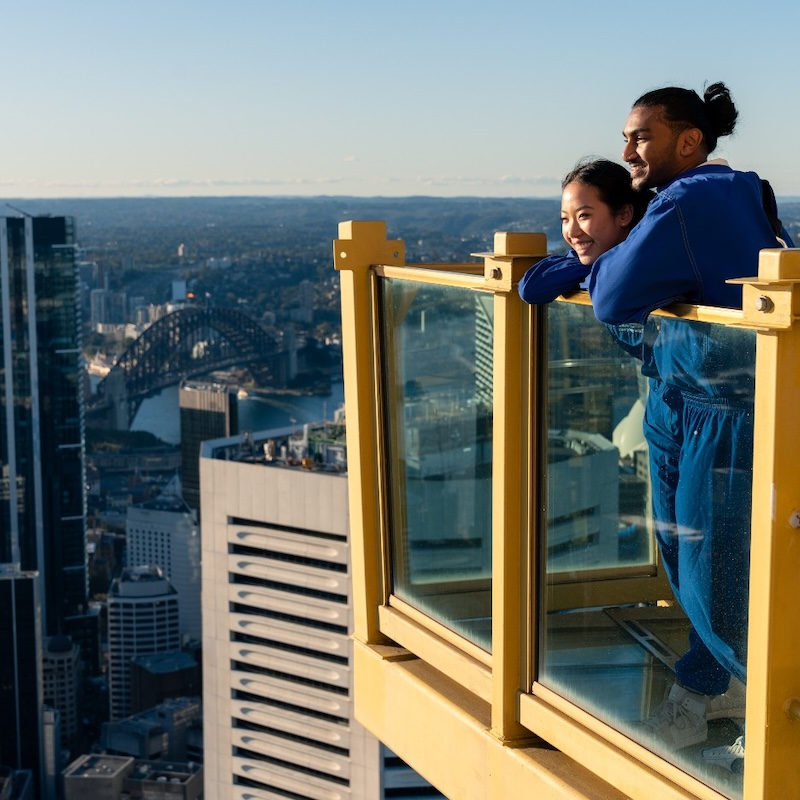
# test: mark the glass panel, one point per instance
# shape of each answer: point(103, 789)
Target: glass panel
point(597, 489)
point(437, 356)
point(650, 438)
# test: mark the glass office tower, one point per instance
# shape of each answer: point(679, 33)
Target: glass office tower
point(20, 672)
point(42, 506)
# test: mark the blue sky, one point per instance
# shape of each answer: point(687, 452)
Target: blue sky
point(307, 97)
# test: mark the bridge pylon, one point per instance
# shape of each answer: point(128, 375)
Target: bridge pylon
point(116, 394)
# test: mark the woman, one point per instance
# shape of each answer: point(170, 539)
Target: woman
point(598, 209)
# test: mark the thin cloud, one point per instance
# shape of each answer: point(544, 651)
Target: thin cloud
point(444, 185)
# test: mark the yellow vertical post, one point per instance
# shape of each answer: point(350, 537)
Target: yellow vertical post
point(361, 245)
point(772, 748)
point(511, 462)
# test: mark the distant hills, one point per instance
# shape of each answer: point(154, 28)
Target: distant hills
point(467, 217)
point(264, 221)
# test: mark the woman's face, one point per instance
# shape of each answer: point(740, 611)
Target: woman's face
point(588, 225)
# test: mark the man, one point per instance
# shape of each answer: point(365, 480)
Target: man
point(706, 224)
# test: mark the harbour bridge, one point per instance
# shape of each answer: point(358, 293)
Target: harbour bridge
point(187, 343)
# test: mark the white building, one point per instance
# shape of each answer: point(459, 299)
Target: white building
point(277, 667)
point(143, 618)
point(582, 501)
point(61, 673)
point(164, 532)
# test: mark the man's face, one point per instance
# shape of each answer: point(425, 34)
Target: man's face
point(651, 148)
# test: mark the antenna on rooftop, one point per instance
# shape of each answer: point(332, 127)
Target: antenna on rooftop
point(19, 211)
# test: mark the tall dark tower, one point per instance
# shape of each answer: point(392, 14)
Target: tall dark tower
point(42, 476)
point(21, 731)
point(42, 502)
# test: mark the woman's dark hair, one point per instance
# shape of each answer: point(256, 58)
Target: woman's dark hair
point(613, 184)
point(715, 115)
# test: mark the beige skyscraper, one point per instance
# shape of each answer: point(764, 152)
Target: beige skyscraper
point(277, 675)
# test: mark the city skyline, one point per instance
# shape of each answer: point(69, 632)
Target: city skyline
point(364, 99)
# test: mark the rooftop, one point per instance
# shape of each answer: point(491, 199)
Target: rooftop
point(98, 766)
point(319, 446)
point(165, 662)
point(165, 772)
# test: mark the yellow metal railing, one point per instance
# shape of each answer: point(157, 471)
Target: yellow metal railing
point(408, 661)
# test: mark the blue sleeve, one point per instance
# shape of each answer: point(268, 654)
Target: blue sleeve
point(650, 269)
point(552, 276)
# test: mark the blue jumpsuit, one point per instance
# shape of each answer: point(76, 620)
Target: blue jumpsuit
point(701, 444)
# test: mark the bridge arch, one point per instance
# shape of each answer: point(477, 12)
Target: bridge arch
point(189, 342)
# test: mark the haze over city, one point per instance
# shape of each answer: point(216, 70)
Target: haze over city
point(261, 97)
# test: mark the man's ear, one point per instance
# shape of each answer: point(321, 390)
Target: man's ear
point(691, 140)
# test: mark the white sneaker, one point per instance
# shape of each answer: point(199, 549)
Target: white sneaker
point(729, 705)
point(680, 721)
point(730, 757)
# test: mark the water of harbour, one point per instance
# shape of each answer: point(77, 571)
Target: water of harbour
point(160, 415)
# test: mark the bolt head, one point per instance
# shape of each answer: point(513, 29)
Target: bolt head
point(763, 303)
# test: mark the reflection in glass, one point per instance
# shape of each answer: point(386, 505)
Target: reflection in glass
point(650, 440)
point(437, 346)
point(597, 487)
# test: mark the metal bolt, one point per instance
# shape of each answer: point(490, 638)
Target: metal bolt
point(794, 519)
point(495, 273)
point(792, 708)
point(763, 303)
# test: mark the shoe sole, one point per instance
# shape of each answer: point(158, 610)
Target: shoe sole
point(736, 766)
point(698, 738)
point(726, 713)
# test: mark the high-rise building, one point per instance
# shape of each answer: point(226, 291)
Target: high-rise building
point(207, 411)
point(277, 669)
point(42, 504)
point(163, 531)
point(52, 753)
point(21, 699)
point(42, 476)
point(98, 307)
point(304, 311)
point(61, 674)
point(143, 618)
